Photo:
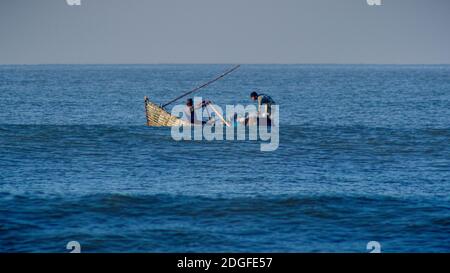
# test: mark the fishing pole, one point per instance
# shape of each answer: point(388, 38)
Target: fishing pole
point(203, 85)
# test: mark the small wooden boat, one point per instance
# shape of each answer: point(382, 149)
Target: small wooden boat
point(159, 117)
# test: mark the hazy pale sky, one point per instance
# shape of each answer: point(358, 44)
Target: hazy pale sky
point(224, 31)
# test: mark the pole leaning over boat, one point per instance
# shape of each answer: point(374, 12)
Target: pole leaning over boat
point(202, 86)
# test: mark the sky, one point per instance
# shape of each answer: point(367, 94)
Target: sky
point(224, 31)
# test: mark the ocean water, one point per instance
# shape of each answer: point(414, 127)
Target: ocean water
point(364, 156)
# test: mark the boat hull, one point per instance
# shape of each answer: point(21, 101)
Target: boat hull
point(158, 117)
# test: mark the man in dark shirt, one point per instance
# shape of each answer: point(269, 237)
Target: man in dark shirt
point(265, 103)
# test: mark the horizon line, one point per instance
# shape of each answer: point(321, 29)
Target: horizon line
point(225, 63)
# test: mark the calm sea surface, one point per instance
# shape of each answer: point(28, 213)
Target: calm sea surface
point(364, 156)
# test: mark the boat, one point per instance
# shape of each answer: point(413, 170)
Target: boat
point(157, 116)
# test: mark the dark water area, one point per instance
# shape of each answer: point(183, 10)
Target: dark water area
point(363, 156)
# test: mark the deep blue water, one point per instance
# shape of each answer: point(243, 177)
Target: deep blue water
point(364, 155)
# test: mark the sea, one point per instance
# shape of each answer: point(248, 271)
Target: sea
point(364, 155)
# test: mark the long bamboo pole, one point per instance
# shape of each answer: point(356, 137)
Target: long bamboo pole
point(203, 85)
point(219, 115)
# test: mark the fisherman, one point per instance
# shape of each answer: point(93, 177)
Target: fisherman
point(190, 110)
point(265, 103)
